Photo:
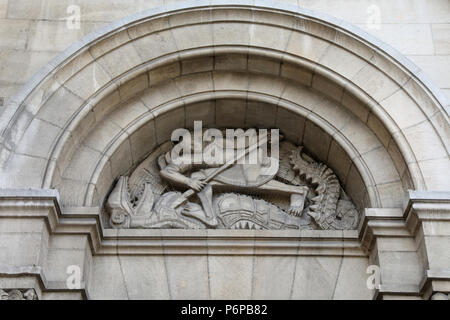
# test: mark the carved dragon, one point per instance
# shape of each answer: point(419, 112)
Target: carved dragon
point(143, 199)
point(326, 209)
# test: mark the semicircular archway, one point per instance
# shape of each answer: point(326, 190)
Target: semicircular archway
point(97, 111)
point(391, 99)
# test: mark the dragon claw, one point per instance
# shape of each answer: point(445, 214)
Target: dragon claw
point(295, 211)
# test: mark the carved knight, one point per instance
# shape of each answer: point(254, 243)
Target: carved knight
point(231, 194)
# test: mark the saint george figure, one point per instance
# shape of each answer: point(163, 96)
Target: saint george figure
point(238, 162)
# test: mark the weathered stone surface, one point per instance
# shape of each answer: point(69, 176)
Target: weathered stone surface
point(311, 190)
point(105, 104)
point(230, 277)
point(15, 294)
point(188, 277)
point(441, 36)
point(310, 284)
point(280, 284)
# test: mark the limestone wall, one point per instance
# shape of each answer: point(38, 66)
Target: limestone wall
point(34, 31)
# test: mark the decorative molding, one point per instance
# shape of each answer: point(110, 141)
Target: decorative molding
point(440, 296)
point(435, 280)
point(396, 289)
point(328, 20)
point(422, 207)
point(42, 283)
point(308, 193)
point(18, 294)
point(354, 33)
point(43, 204)
point(426, 206)
point(429, 207)
point(381, 222)
point(86, 220)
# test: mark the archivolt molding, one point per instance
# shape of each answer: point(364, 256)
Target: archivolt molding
point(325, 114)
point(85, 73)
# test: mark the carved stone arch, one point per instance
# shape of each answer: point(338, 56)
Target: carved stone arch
point(330, 48)
point(85, 119)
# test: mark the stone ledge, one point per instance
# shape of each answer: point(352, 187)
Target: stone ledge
point(29, 194)
point(18, 294)
point(43, 284)
point(395, 222)
point(433, 281)
point(376, 222)
point(86, 220)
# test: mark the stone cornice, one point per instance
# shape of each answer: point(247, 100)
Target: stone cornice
point(435, 281)
point(43, 283)
point(432, 280)
point(426, 206)
point(421, 206)
point(44, 204)
point(377, 222)
point(381, 222)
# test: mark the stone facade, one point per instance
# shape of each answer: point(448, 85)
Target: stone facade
point(84, 200)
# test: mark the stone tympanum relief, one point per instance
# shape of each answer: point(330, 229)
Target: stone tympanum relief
point(301, 194)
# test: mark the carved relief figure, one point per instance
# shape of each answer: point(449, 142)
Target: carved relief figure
point(163, 193)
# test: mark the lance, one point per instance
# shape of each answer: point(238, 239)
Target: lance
point(190, 192)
